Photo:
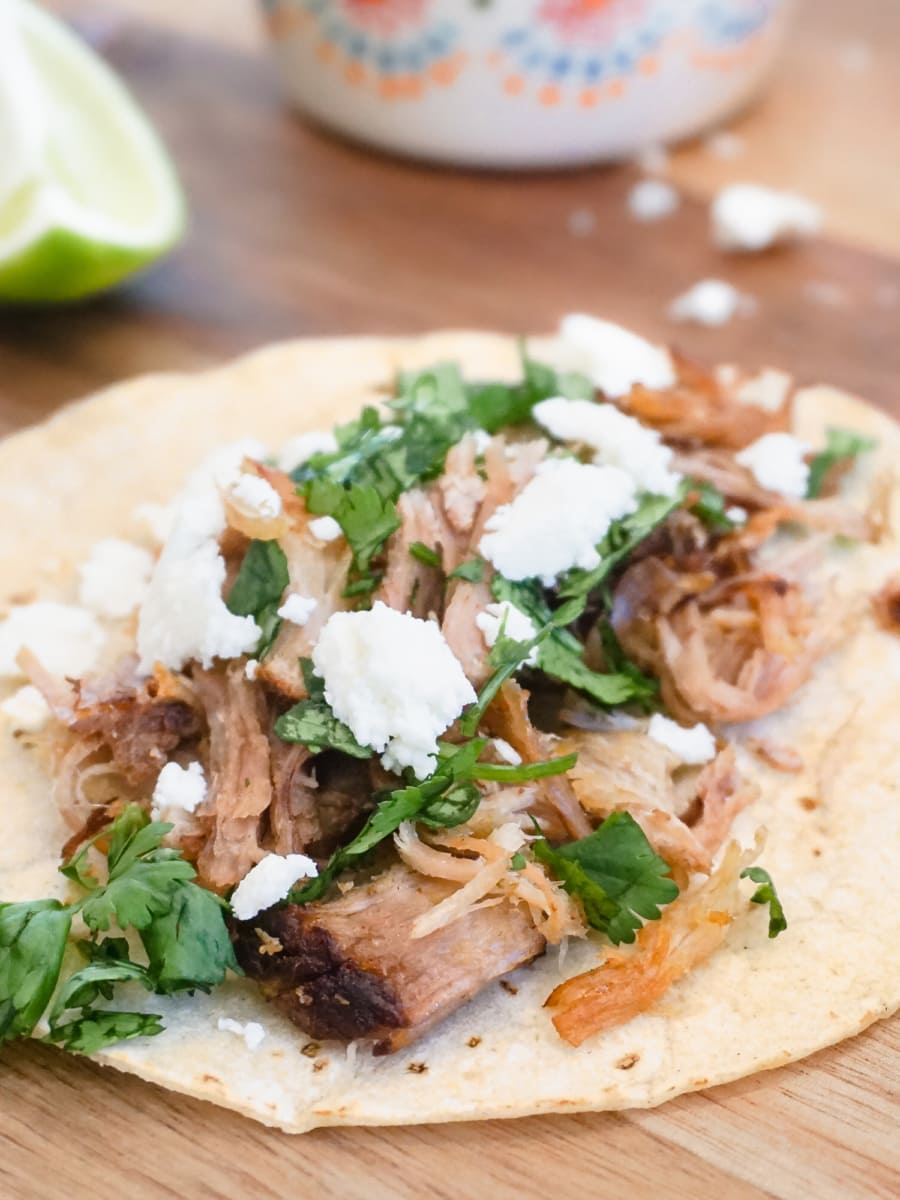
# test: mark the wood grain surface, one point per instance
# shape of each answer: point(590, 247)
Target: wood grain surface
point(294, 233)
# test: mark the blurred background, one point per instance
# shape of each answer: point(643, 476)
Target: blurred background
point(293, 231)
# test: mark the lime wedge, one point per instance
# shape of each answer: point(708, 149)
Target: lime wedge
point(88, 195)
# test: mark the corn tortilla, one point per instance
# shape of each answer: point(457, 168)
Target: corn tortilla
point(833, 829)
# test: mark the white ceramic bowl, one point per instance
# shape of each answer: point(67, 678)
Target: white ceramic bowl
point(522, 83)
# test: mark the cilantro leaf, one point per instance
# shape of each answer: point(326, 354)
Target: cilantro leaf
point(312, 723)
point(366, 517)
point(495, 405)
point(149, 887)
point(840, 445)
point(96, 1029)
point(33, 939)
point(710, 506)
point(561, 655)
point(424, 554)
point(621, 540)
point(258, 588)
point(471, 571)
point(452, 808)
point(95, 980)
point(139, 890)
point(91, 1029)
point(616, 875)
point(436, 800)
point(188, 945)
point(766, 894)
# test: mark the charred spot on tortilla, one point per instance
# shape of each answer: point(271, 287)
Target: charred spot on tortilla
point(627, 1061)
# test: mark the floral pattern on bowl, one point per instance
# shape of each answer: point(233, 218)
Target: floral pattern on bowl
point(449, 79)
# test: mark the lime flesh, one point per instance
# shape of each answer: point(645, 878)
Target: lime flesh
point(92, 196)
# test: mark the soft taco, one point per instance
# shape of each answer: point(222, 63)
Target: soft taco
point(526, 742)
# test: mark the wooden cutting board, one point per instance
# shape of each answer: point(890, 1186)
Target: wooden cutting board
point(292, 234)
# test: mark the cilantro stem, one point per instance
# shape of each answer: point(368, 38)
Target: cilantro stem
point(506, 773)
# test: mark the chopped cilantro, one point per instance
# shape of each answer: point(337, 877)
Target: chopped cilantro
point(840, 445)
point(258, 588)
point(710, 506)
point(424, 554)
point(518, 861)
point(621, 540)
point(495, 405)
point(149, 888)
point(448, 797)
point(471, 571)
point(561, 655)
point(766, 894)
point(376, 461)
point(312, 722)
point(367, 519)
point(615, 873)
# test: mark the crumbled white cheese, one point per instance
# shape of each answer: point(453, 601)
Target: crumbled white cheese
point(693, 745)
point(768, 390)
point(482, 440)
point(177, 787)
point(115, 578)
point(613, 358)
point(749, 217)
point(255, 496)
point(251, 666)
point(827, 293)
point(855, 57)
point(724, 144)
point(652, 160)
point(557, 520)
point(252, 1032)
point(270, 881)
point(652, 199)
point(184, 615)
point(518, 626)
point(27, 709)
point(394, 680)
point(156, 519)
point(582, 222)
point(736, 514)
point(325, 529)
point(66, 640)
point(509, 754)
point(298, 609)
point(711, 302)
point(616, 439)
point(297, 450)
point(778, 461)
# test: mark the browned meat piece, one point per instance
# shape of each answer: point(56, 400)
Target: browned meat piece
point(558, 810)
point(139, 726)
point(703, 409)
point(349, 968)
point(318, 570)
point(508, 470)
point(461, 487)
point(240, 781)
point(732, 651)
point(409, 585)
point(292, 817)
